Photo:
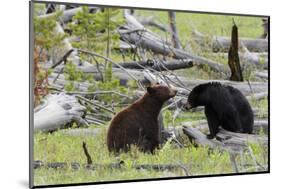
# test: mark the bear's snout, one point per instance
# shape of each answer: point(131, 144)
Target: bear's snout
point(188, 106)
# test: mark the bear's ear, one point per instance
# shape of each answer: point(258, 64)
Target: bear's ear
point(150, 90)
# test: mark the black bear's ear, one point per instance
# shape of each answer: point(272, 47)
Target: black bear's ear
point(150, 90)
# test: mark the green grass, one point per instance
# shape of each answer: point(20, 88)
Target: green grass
point(209, 24)
point(59, 147)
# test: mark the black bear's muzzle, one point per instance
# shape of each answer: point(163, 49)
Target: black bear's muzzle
point(187, 106)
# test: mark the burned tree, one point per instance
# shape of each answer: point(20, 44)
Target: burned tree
point(233, 56)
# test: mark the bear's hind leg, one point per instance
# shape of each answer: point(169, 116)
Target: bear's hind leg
point(213, 122)
point(231, 122)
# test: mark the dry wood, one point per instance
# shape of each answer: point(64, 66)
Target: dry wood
point(265, 26)
point(159, 65)
point(57, 111)
point(202, 125)
point(138, 35)
point(225, 140)
point(258, 96)
point(84, 132)
point(262, 75)
point(260, 60)
point(142, 40)
point(86, 152)
point(233, 57)
point(256, 87)
point(220, 43)
point(175, 36)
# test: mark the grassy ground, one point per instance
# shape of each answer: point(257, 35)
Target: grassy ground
point(59, 147)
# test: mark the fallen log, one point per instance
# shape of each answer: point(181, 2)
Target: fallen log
point(133, 25)
point(262, 75)
point(143, 40)
point(202, 125)
point(159, 65)
point(135, 33)
point(225, 140)
point(156, 65)
point(220, 43)
point(57, 111)
point(251, 58)
point(258, 96)
point(256, 87)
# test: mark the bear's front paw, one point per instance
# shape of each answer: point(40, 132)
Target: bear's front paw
point(210, 136)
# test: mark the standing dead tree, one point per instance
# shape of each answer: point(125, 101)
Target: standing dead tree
point(233, 57)
point(175, 36)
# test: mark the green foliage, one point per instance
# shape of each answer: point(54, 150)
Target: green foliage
point(97, 33)
point(72, 73)
point(69, 86)
point(45, 36)
point(108, 86)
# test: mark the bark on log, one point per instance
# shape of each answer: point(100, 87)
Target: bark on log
point(225, 140)
point(57, 111)
point(202, 125)
point(159, 65)
point(220, 43)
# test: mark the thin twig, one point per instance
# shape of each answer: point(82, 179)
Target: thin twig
point(95, 104)
point(108, 59)
point(89, 159)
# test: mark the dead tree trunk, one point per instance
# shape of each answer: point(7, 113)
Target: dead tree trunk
point(265, 26)
point(233, 57)
point(175, 36)
point(57, 111)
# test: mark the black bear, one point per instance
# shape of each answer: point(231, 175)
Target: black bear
point(137, 124)
point(225, 106)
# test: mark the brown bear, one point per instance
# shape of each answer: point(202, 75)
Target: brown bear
point(137, 124)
